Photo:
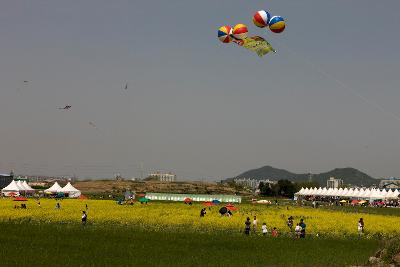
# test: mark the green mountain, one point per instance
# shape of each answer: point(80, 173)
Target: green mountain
point(348, 175)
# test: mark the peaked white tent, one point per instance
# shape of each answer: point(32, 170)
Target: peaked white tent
point(20, 186)
point(28, 188)
point(53, 189)
point(70, 190)
point(10, 189)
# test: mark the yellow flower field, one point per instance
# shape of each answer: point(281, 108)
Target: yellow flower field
point(158, 215)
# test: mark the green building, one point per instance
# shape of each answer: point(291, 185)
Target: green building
point(194, 197)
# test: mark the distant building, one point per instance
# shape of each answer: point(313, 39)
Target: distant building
point(253, 183)
point(6, 179)
point(334, 183)
point(194, 197)
point(163, 177)
point(390, 183)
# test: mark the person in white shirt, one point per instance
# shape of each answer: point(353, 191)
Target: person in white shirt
point(360, 226)
point(297, 230)
point(255, 224)
point(264, 229)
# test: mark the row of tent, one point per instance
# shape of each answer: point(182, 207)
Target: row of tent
point(349, 193)
point(68, 189)
point(16, 188)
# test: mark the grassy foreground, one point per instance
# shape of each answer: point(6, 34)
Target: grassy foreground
point(30, 244)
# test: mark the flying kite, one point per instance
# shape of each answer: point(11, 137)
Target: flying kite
point(264, 19)
point(66, 107)
point(92, 124)
point(126, 86)
point(238, 35)
point(26, 81)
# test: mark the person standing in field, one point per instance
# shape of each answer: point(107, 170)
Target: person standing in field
point(274, 232)
point(303, 229)
point(84, 217)
point(297, 230)
point(247, 226)
point(264, 229)
point(255, 224)
point(360, 226)
point(290, 223)
point(203, 212)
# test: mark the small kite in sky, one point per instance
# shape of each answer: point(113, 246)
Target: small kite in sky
point(92, 124)
point(126, 86)
point(66, 107)
point(26, 81)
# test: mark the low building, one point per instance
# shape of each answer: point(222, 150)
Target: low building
point(5, 179)
point(253, 183)
point(194, 197)
point(163, 177)
point(390, 183)
point(334, 183)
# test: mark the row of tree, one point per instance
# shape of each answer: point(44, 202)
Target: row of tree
point(283, 188)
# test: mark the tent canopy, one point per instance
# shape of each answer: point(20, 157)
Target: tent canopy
point(53, 189)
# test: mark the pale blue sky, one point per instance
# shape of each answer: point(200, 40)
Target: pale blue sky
point(195, 106)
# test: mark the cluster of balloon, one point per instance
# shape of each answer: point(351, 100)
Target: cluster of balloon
point(263, 19)
point(227, 34)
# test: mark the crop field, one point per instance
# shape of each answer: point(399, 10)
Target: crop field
point(158, 216)
point(173, 234)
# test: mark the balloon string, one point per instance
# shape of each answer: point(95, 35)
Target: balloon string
point(341, 84)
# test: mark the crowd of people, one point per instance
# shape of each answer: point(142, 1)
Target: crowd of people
point(299, 230)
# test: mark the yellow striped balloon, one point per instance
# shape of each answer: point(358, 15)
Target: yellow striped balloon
point(240, 31)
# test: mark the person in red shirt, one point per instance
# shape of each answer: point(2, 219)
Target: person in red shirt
point(274, 232)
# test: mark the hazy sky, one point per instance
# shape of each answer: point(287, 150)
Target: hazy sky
point(202, 109)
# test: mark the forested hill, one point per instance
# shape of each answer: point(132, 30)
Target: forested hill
point(348, 175)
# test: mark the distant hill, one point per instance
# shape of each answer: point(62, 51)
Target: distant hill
point(348, 175)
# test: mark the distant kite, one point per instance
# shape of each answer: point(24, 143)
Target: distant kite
point(66, 107)
point(126, 86)
point(92, 124)
point(26, 81)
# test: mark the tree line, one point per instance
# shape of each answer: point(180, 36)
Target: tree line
point(283, 188)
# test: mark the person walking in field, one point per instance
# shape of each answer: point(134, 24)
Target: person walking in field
point(84, 218)
point(360, 226)
point(264, 229)
point(255, 224)
point(303, 229)
point(247, 226)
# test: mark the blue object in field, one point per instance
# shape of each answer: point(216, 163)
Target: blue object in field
point(216, 201)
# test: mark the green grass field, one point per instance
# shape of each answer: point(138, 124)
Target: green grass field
point(29, 244)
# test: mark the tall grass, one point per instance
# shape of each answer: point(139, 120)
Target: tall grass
point(28, 244)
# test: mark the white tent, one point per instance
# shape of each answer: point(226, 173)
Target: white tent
point(24, 186)
point(345, 192)
point(53, 189)
point(300, 193)
point(28, 188)
point(394, 194)
point(12, 188)
point(319, 192)
point(70, 190)
point(21, 186)
point(340, 192)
